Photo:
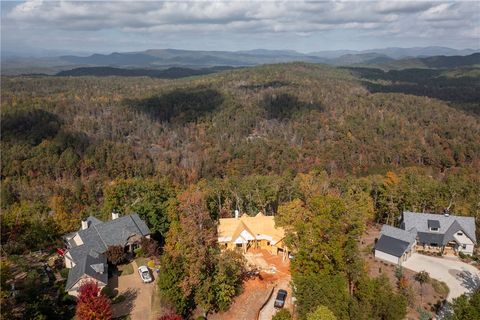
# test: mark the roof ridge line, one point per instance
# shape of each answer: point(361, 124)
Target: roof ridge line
point(100, 236)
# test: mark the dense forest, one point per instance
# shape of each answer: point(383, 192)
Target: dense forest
point(327, 150)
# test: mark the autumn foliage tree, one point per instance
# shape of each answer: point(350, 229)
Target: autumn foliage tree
point(116, 254)
point(92, 304)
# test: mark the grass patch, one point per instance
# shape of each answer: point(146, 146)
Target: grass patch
point(440, 287)
point(125, 269)
point(142, 261)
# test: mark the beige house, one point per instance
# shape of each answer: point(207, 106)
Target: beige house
point(247, 232)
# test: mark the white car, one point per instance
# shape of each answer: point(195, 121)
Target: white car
point(145, 274)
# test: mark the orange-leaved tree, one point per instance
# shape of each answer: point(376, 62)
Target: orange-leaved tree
point(92, 304)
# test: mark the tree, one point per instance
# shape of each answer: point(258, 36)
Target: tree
point(116, 255)
point(194, 271)
point(422, 277)
point(227, 280)
point(466, 306)
point(282, 314)
point(149, 247)
point(152, 199)
point(92, 305)
point(321, 313)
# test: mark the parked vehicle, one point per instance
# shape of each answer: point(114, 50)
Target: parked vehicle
point(145, 274)
point(280, 299)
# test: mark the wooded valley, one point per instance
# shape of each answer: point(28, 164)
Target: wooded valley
point(337, 147)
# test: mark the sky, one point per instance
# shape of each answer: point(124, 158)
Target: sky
point(42, 27)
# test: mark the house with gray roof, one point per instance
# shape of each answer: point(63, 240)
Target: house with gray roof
point(443, 233)
point(85, 256)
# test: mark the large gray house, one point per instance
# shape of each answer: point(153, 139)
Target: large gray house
point(86, 247)
point(441, 233)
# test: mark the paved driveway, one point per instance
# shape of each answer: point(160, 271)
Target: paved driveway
point(459, 276)
point(138, 296)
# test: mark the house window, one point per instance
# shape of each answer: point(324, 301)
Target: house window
point(459, 233)
point(434, 229)
point(464, 246)
point(433, 244)
point(239, 245)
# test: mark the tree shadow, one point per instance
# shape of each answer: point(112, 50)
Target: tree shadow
point(179, 106)
point(126, 306)
point(267, 85)
point(469, 280)
point(29, 126)
point(463, 90)
point(285, 106)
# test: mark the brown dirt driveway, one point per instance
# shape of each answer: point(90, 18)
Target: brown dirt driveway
point(138, 295)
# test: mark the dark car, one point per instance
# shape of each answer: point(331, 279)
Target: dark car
point(280, 299)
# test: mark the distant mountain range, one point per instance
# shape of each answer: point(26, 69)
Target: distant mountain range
point(195, 59)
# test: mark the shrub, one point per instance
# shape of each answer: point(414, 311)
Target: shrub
point(108, 292)
point(282, 314)
point(139, 252)
point(119, 299)
point(64, 273)
point(151, 264)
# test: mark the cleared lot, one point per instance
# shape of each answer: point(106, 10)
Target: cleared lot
point(459, 276)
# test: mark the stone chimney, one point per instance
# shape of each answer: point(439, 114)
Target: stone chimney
point(236, 214)
point(84, 224)
point(114, 215)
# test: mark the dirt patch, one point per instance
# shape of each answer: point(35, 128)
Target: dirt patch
point(273, 273)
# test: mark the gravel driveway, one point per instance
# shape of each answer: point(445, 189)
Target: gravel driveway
point(269, 310)
point(459, 276)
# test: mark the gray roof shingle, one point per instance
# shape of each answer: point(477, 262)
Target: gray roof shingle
point(420, 221)
point(88, 265)
point(395, 247)
point(89, 258)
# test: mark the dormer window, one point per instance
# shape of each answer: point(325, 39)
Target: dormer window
point(433, 225)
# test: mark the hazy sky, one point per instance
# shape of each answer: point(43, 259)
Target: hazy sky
point(104, 26)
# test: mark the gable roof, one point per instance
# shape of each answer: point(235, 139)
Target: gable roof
point(93, 265)
point(395, 241)
point(88, 257)
point(433, 224)
point(395, 247)
point(116, 232)
point(259, 226)
point(447, 223)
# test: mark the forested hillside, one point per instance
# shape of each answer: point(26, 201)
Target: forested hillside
point(274, 138)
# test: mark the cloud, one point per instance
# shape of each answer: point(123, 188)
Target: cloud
point(249, 19)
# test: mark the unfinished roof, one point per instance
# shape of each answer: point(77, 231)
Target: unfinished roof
point(260, 226)
point(420, 221)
